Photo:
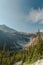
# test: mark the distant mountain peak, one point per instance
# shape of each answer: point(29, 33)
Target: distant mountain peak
point(3, 25)
point(5, 28)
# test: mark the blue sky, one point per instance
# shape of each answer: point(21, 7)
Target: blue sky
point(22, 15)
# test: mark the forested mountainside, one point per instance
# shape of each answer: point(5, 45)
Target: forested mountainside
point(14, 40)
point(29, 56)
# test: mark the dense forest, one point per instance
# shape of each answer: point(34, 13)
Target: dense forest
point(31, 55)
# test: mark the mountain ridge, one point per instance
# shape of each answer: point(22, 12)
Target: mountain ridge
point(13, 39)
point(7, 29)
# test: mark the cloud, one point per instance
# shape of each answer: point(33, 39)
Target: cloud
point(35, 15)
point(41, 30)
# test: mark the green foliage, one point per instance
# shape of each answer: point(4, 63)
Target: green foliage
point(36, 52)
point(32, 54)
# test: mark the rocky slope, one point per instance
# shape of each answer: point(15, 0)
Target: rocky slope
point(39, 62)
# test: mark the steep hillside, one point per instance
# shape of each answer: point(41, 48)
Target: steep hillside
point(12, 38)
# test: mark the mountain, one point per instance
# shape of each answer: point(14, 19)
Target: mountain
point(13, 39)
point(7, 29)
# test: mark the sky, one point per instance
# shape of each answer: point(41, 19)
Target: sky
point(22, 15)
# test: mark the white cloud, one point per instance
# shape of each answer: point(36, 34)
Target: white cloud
point(41, 30)
point(35, 15)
